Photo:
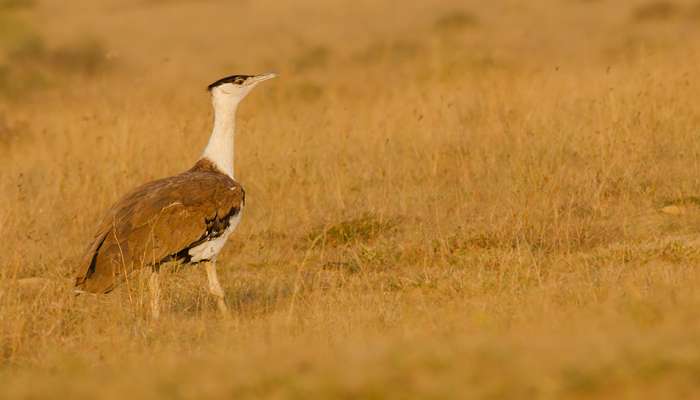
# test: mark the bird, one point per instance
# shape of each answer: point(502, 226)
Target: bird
point(182, 219)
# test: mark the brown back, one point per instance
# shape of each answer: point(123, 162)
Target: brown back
point(158, 222)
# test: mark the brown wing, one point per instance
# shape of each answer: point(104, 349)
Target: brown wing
point(158, 222)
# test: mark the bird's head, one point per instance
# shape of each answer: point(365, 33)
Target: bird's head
point(235, 87)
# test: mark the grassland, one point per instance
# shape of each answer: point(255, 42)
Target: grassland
point(446, 199)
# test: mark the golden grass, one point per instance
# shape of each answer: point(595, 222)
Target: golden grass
point(444, 200)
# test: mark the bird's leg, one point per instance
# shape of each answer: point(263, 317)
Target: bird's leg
point(154, 286)
point(215, 287)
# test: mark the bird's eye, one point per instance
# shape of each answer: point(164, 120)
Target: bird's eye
point(238, 81)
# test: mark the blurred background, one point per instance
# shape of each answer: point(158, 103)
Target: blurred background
point(179, 43)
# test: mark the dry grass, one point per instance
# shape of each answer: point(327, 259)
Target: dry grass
point(445, 199)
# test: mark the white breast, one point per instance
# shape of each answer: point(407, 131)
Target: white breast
point(209, 249)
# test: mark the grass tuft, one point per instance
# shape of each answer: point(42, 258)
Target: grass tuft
point(656, 11)
point(356, 230)
point(455, 21)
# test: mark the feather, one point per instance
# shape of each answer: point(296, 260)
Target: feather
point(159, 222)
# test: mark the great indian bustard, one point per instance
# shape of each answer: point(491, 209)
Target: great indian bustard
point(185, 218)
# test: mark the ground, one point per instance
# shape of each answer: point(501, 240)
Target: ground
point(445, 199)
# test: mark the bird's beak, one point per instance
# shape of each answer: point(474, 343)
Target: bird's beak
point(261, 77)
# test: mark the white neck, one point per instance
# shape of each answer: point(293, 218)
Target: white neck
point(220, 149)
